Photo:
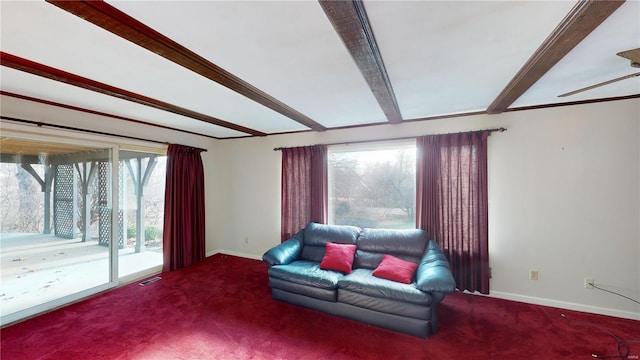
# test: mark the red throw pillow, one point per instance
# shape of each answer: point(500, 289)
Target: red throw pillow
point(392, 268)
point(338, 257)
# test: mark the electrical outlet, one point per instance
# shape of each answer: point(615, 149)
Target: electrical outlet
point(246, 239)
point(533, 274)
point(588, 283)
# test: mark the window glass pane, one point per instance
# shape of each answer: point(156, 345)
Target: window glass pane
point(373, 185)
point(142, 178)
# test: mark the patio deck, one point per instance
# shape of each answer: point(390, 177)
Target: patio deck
point(37, 268)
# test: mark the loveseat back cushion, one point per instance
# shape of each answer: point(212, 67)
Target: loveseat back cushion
point(373, 244)
point(316, 237)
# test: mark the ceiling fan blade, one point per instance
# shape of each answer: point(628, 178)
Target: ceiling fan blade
point(600, 84)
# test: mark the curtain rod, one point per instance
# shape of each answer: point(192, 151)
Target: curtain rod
point(501, 129)
point(41, 124)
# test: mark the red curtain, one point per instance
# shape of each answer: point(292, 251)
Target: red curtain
point(304, 188)
point(184, 222)
point(452, 202)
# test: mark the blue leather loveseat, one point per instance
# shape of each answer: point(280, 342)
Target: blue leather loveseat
point(296, 276)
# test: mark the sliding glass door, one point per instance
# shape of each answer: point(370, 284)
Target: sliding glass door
point(76, 218)
point(56, 201)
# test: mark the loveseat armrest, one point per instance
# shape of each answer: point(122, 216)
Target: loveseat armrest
point(434, 274)
point(286, 252)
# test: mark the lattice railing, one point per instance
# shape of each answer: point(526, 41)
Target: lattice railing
point(104, 225)
point(64, 213)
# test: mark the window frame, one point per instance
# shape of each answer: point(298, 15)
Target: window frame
point(389, 145)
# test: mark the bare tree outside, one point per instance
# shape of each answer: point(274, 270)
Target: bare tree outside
point(391, 184)
point(21, 200)
point(153, 204)
point(373, 188)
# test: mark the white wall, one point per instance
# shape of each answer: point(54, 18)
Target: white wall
point(564, 199)
point(564, 194)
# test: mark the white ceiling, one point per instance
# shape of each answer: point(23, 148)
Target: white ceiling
point(442, 58)
point(592, 61)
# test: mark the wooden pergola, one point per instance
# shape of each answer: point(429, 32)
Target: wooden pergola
point(73, 173)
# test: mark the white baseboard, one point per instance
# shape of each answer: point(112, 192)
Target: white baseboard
point(503, 295)
point(565, 305)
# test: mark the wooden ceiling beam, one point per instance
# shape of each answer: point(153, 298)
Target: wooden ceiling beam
point(99, 113)
point(350, 21)
point(117, 22)
point(51, 73)
point(585, 16)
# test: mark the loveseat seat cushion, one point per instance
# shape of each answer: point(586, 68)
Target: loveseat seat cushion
point(316, 236)
point(305, 290)
point(306, 273)
point(373, 244)
point(361, 281)
point(388, 306)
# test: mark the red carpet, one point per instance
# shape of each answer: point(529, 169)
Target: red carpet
point(222, 309)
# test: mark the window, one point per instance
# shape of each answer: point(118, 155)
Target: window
point(373, 185)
